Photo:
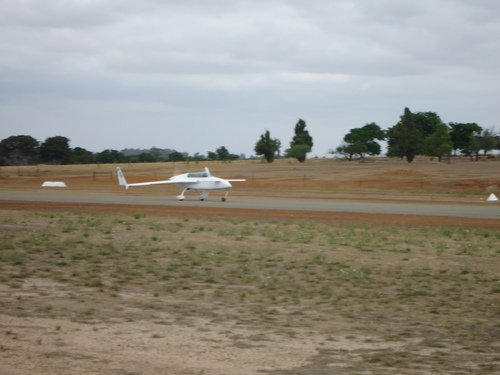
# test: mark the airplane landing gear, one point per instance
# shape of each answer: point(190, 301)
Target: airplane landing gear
point(181, 197)
point(224, 198)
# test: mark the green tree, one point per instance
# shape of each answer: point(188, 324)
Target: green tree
point(55, 150)
point(211, 155)
point(198, 157)
point(438, 144)
point(362, 140)
point(223, 154)
point(156, 154)
point(426, 123)
point(404, 139)
point(351, 149)
point(19, 150)
point(298, 152)
point(301, 143)
point(487, 141)
point(111, 156)
point(268, 147)
point(407, 138)
point(462, 134)
point(473, 147)
point(177, 156)
point(81, 156)
point(143, 157)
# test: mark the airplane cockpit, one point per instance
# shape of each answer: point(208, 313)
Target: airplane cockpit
point(198, 174)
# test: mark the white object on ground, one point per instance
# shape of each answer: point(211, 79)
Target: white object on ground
point(492, 198)
point(53, 184)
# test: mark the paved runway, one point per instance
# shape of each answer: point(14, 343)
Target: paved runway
point(480, 210)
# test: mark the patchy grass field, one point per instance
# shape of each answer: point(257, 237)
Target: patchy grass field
point(140, 294)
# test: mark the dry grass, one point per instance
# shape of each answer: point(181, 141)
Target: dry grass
point(373, 299)
point(319, 178)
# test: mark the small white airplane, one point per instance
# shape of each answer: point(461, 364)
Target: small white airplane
point(203, 181)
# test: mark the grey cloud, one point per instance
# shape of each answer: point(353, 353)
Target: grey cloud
point(235, 60)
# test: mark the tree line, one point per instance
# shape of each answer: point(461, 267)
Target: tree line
point(26, 150)
point(420, 133)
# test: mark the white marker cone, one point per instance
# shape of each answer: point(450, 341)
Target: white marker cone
point(492, 198)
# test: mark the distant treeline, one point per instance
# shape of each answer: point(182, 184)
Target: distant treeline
point(416, 133)
point(26, 150)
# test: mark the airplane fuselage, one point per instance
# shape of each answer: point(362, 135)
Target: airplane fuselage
point(201, 183)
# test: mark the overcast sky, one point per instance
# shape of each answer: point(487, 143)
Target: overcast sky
point(194, 75)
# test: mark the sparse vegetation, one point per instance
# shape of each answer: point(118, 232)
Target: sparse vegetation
point(433, 292)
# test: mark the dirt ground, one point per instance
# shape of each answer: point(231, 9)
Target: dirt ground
point(38, 341)
point(330, 217)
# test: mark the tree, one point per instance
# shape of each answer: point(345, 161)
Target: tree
point(143, 157)
point(211, 155)
point(301, 143)
point(298, 152)
point(426, 123)
point(407, 138)
point(473, 147)
point(198, 157)
point(487, 140)
point(404, 139)
point(19, 150)
point(438, 143)
point(268, 147)
point(462, 134)
point(223, 154)
point(110, 156)
point(177, 156)
point(362, 140)
point(351, 149)
point(81, 156)
point(156, 153)
point(55, 150)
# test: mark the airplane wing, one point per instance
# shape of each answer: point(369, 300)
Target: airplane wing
point(237, 180)
point(153, 183)
point(123, 182)
point(149, 183)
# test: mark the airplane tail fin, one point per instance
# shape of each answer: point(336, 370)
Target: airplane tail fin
point(207, 172)
point(121, 178)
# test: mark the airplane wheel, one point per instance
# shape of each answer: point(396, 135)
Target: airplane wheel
point(223, 199)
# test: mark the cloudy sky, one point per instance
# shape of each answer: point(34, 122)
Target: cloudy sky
point(194, 75)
